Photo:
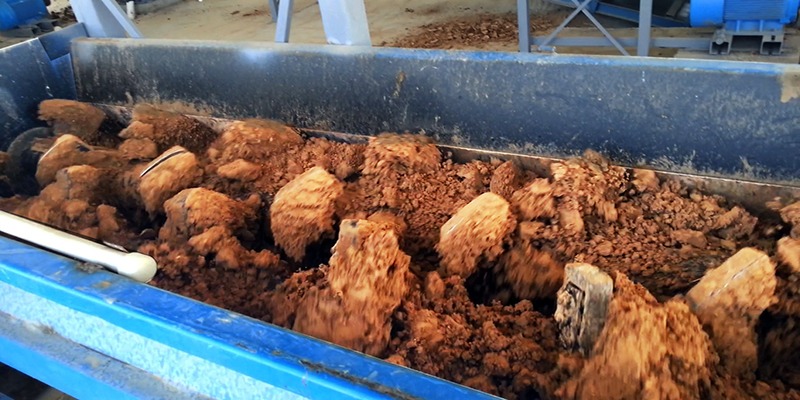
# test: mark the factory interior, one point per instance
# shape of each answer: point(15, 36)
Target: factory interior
point(409, 199)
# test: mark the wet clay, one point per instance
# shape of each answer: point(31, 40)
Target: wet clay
point(75, 118)
point(364, 284)
point(391, 248)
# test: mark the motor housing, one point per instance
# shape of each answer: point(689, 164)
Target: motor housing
point(743, 15)
point(754, 19)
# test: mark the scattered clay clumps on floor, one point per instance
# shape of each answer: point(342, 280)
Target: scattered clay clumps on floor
point(506, 179)
point(138, 149)
point(465, 271)
point(473, 31)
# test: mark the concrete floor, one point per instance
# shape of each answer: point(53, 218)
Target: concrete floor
point(250, 19)
point(389, 20)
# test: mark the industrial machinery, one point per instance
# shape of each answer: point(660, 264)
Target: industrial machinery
point(738, 23)
point(102, 335)
point(742, 20)
point(16, 14)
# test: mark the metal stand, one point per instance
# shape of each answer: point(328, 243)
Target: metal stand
point(104, 18)
point(344, 22)
point(768, 42)
point(284, 21)
point(273, 10)
point(544, 44)
point(643, 42)
point(645, 23)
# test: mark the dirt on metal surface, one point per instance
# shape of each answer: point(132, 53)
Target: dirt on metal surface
point(451, 268)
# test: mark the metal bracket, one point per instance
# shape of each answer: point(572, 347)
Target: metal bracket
point(104, 18)
point(768, 42)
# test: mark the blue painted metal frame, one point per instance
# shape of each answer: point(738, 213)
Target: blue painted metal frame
point(187, 344)
point(46, 73)
point(86, 374)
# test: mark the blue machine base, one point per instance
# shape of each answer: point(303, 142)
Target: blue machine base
point(16, 13)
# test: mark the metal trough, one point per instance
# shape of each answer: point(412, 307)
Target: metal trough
point(94, 334)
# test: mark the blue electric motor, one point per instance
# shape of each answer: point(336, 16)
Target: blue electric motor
point(759, 20)
point(15, 13)
point(743, 15)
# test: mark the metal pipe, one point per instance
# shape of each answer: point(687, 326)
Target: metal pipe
point(133, 265)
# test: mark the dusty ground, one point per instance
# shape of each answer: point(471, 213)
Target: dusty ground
point(378, 252)
point(466, 25)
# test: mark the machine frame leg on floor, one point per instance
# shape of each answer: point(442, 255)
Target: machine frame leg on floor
point(344, 22)
point(104, 18)
point(544, 44)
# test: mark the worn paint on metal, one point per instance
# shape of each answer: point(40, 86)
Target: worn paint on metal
point(40, 352)
point(204, 349)
point(728, 119)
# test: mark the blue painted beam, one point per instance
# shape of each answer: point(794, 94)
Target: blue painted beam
point(80, 372)
point(206, 350)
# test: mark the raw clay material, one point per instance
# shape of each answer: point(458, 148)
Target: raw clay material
point(729, 300)
point(167, 129)
point(74, 118)
point(366, 281)
point(69, 150)
point(647, 350)
point(474, 234)
point(303, 211)
point(175, 170)
point(491, 324)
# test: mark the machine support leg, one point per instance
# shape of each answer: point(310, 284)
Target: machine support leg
point(104, 18)
point(645, 22)
point(273, 9)
point(284, 21)
point(524, 25)
point(345, 22)
point(581, 7)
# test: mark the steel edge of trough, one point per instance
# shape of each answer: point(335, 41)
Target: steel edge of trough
point(291, 362)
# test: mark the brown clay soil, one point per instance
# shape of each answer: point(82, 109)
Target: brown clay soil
point(477, 31)
point(393, 249)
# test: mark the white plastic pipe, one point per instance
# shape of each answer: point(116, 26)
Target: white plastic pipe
point(133, 265)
